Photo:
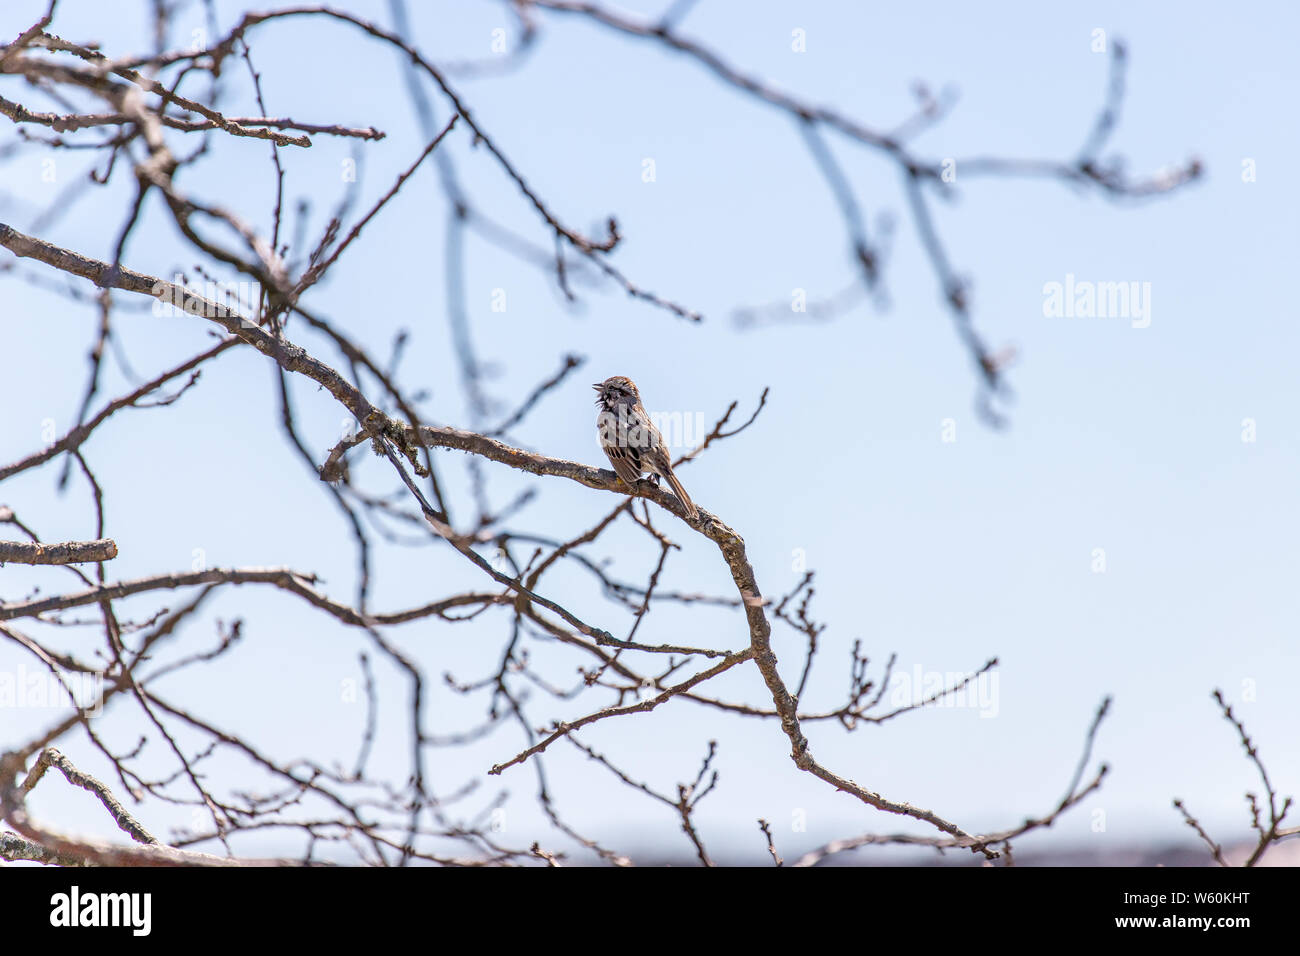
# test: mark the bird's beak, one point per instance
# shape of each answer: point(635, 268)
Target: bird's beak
point(598, 386)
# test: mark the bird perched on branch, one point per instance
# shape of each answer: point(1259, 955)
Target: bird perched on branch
point(630, 440)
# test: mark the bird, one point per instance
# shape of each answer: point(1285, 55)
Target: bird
point(630, 440)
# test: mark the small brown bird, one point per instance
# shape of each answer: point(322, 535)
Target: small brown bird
point(630, 440)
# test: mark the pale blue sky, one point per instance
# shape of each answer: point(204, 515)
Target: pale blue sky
point(946, 553)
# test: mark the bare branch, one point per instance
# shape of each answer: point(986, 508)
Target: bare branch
point(69, 552)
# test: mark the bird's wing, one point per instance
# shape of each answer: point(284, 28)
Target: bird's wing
point(626, 460)
point(657, 459)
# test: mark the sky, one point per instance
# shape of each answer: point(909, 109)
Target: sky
point(933, 535)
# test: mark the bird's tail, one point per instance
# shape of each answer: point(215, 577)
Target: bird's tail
point(680, 492)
